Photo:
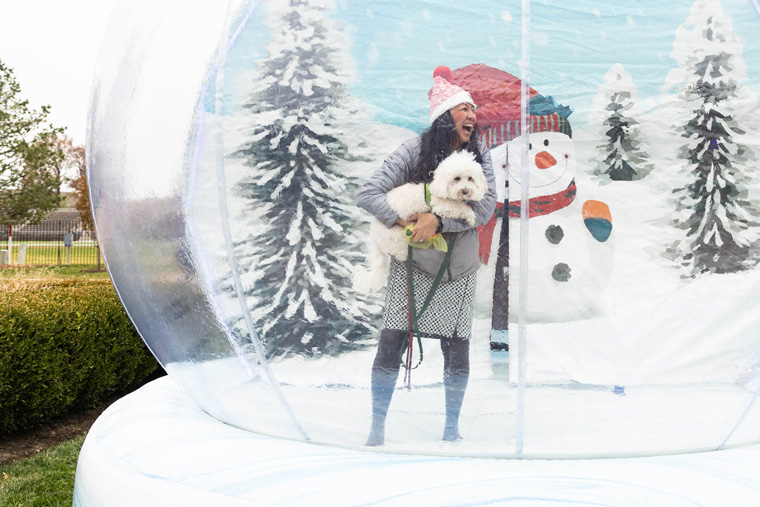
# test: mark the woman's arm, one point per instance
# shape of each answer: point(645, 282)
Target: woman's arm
point(393, 173)
point(483, 208)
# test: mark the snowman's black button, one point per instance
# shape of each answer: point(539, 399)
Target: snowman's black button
point(561, 272)
point(554, 234)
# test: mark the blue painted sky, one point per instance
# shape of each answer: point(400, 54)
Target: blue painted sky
point(396, 44)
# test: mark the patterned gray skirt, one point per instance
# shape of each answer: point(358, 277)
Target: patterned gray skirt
point(449, 312)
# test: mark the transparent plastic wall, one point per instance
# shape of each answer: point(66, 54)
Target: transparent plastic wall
point(641, 329)
point(227, 143)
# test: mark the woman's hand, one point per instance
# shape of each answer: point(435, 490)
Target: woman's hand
point(425, 227)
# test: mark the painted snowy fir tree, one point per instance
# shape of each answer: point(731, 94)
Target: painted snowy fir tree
point(302, 219)
point(714, 206)
point(621, 157)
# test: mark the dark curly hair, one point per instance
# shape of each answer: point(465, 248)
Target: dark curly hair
point(438, 142)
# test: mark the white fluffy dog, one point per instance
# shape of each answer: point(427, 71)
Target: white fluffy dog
point(457, 180)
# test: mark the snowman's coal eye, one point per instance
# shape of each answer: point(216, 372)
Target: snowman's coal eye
point(546, 142)
point(530, 146)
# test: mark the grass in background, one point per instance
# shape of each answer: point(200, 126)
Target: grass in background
point(54, 252)
point(41, 254)
point(70, 271)
point(44, 480)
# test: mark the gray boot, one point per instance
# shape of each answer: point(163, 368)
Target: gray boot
point(455, 386)
point(456, 373)
point(384, 375)
point(383, 384)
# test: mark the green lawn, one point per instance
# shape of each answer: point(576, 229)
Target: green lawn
point(54, 272)
point(44, 480)
point(53, 253)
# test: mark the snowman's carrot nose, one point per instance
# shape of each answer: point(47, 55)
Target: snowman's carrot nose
point(544, 160)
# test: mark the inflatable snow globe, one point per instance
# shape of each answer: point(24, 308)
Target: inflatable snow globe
point(616, 307)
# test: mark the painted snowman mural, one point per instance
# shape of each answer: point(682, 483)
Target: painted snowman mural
point(571, 241)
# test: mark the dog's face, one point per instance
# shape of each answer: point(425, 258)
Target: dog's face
point(459, 178)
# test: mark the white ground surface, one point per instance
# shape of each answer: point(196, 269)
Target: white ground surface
point(156, 448)
point(330, 402)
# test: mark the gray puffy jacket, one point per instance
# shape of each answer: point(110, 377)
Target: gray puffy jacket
point(395, 172)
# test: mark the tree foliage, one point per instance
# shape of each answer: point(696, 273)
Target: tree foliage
point(77, 160)
point(28, 153)
point(68, 162)
point(713, 207)
point(301, 210)
point(621, 157)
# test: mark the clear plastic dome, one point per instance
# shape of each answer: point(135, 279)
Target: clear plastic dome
point(227, 144)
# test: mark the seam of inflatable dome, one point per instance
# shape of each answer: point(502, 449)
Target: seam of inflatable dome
point(739, 423)
point(524, 199)
point(224, 211)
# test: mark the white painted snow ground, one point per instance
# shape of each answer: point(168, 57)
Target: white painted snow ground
point(155, 447)
point(331, 402)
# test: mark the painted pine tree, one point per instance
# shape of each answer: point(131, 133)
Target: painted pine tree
point(303, 222)
point(718, 220)
point(621, 157)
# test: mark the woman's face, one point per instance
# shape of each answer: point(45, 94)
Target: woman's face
point(464, 121)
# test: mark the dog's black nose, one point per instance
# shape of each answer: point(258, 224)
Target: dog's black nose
point(465, 191)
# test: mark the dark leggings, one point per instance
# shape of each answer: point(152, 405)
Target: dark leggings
point(393, 342)
point(385, 369)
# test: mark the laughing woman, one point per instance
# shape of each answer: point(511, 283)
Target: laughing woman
point(449, 316)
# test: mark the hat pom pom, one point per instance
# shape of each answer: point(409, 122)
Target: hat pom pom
point(444, 72)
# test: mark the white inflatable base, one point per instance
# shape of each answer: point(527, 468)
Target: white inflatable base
point(155, 447)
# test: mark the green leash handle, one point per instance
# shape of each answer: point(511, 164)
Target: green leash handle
point(413, 302)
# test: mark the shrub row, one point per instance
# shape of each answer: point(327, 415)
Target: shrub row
point(64, 346)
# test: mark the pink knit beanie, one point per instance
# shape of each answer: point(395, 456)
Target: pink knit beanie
point(444, 95)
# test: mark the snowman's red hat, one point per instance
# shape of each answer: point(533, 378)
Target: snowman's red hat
point(444, 95)
point(498, 94)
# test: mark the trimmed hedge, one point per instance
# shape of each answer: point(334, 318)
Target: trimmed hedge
point(64, 346)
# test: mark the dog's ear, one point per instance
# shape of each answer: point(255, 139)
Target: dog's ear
point(439, 186)
point(442, 176)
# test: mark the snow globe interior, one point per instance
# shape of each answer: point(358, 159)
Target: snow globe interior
point(227, 143)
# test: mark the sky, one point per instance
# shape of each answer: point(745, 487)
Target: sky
point(52, 47)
